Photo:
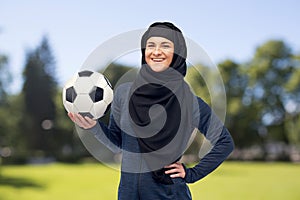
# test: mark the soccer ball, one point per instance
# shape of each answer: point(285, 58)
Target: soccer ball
point(88, 93)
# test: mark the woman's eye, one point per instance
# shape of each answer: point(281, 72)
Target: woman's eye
point(150, 44)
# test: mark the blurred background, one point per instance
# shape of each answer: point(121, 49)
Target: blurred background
point(255, 44)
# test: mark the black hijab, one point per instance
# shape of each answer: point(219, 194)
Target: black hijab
point(162, 133)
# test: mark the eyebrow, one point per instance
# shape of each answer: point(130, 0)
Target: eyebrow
point(161, 43)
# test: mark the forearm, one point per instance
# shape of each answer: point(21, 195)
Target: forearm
point(110, 135)
point(220, 151)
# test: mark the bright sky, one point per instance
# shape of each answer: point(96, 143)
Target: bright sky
point(225, 29)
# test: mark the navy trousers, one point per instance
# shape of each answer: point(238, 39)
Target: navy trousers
point(143, 187)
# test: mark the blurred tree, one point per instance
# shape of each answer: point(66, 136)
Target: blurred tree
point(8, 108)
point(115, 71)
point(292, 120)
point(3, 100)
point(39, 89)
point(269, 71)
point(292, 127)
point(3, 95)
point(196, 81)
point(239, 116)
point(5, 78)
point(67, 145)
point(14, 140)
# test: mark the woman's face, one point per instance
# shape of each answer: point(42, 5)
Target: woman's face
point(159, 53)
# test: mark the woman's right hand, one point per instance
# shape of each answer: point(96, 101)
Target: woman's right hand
point(83, 122)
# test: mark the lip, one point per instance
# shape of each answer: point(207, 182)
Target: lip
point(157, 59)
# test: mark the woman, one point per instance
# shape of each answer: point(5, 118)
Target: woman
point(152, 120)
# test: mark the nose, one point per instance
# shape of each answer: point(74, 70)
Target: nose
point(157, 51)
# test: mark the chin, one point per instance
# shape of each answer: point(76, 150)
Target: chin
point(158, 68)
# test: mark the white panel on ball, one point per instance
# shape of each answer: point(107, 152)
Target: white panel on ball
point(108, 94)
point(83, 103)
point(99, 108)
point(83, 85)
point(98, 80)
point(69, 106)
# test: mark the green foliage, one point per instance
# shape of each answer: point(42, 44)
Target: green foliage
point(5, 78)
point(292, 127)
point(272, 78)
point(66, 143)
point(39, 82)
point(239, 118)
point(3, 97)
point(115, 71)
point(293, 84)
point(39, 89)
point(11, 132)
point(194, 78)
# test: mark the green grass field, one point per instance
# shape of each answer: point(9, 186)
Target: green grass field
point(232, 181)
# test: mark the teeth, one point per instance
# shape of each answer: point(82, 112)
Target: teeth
point(157, 59)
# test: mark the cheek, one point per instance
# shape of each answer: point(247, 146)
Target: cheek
point(147, 53)
point(170, 58)
point(147, 56)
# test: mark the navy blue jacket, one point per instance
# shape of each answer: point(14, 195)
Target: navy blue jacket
point(136, 182)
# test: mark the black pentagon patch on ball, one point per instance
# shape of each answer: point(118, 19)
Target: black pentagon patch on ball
point(96, 94)
point(85, 73)
point(70, 94)
point(86, 114)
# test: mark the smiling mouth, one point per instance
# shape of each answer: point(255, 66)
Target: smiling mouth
point(157, 59)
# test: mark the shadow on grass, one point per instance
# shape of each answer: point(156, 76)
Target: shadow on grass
point(18, 182)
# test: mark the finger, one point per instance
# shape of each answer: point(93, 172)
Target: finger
point(83, 121)
point(172, 165)
point(76, 118)
point(71, 116)
point(91, 122)
point(174, 170)
point(80, 121)
point(86, 121)
point(176, 175)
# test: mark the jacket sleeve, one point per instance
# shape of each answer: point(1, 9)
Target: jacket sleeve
point(111, 135)
point(214, 131)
